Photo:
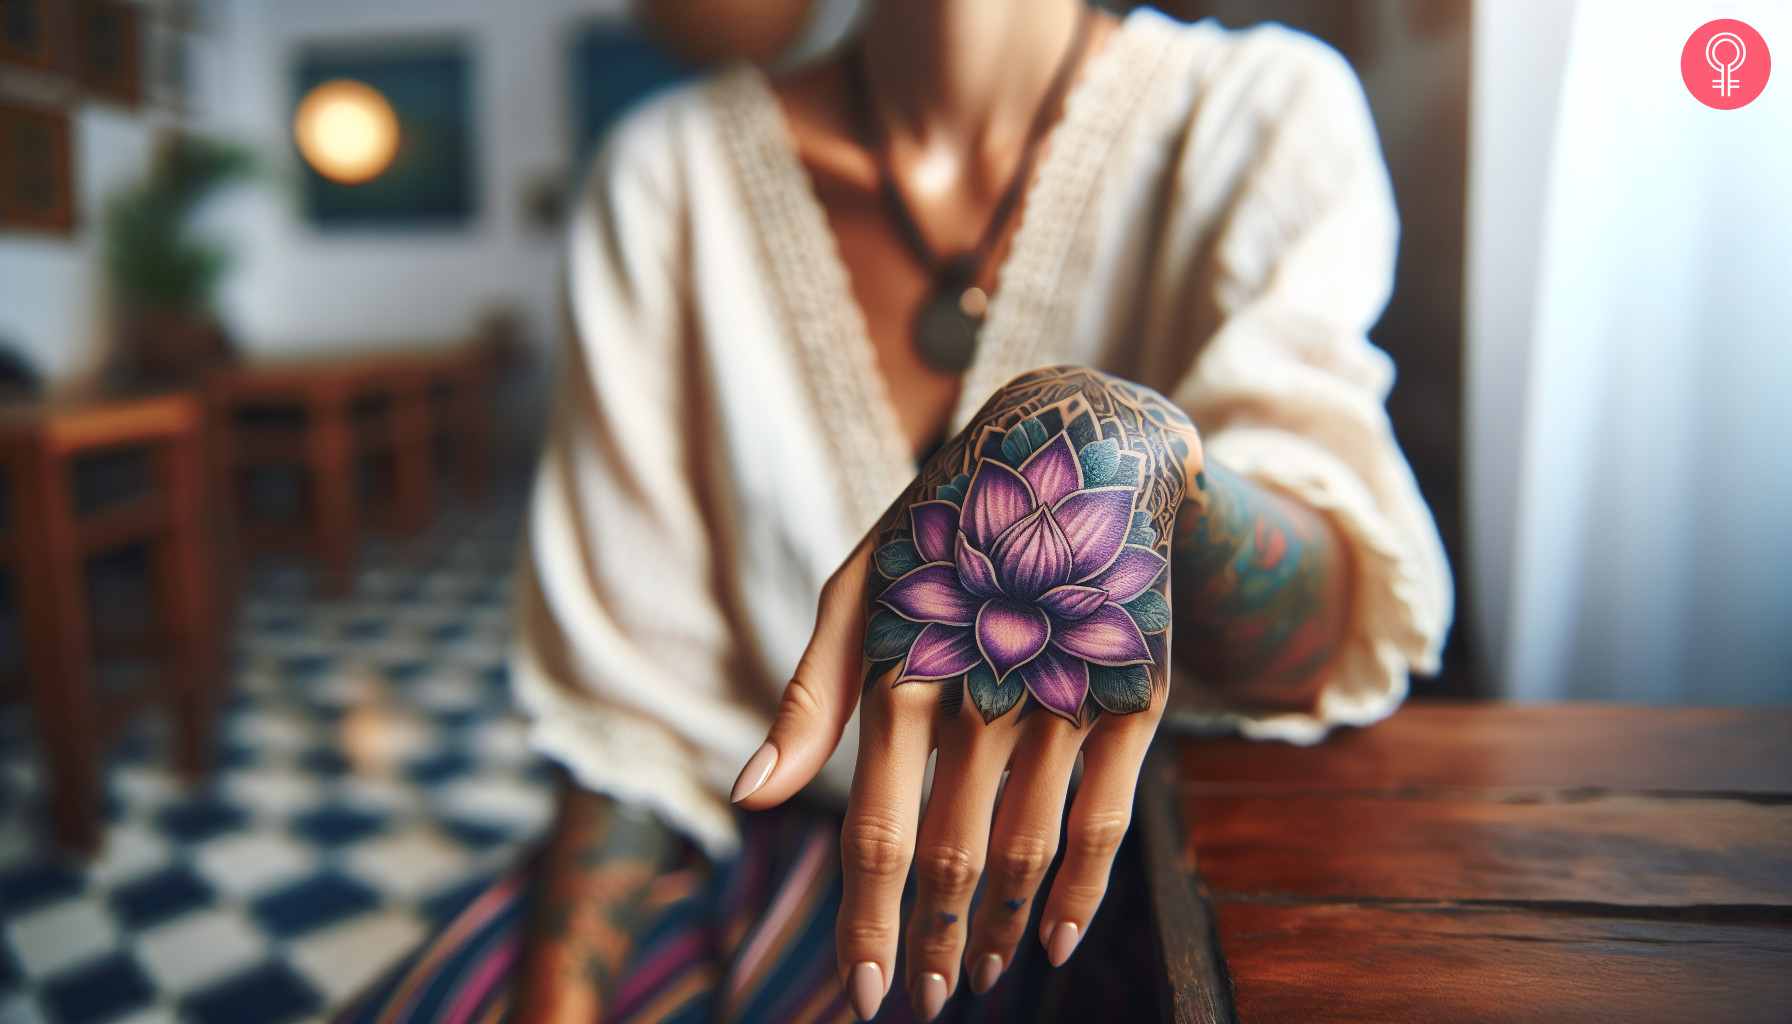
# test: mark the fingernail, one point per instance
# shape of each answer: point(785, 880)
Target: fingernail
point(759, 768)
point(930, 995)
point(1062, 942)
point(865, 989)
point(988, 972)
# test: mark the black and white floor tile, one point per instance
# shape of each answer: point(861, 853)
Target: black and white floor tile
point(372, 778)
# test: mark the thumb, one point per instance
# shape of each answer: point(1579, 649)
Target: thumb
point(819, 698)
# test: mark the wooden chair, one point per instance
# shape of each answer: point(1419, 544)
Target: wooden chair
point(53, 530)
point(333, 418)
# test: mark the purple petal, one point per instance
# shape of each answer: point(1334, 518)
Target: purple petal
point(998, 498)
point(1132, 573)
point(1010, 634)
point(1053, 470)
point(1058, 681)
point(932, 594)
point(1073, 603)
point(1095, 522)
point(934, 523)
point(941, 652)
point(1032, 557)
point(975, 573)
point(1108, 637)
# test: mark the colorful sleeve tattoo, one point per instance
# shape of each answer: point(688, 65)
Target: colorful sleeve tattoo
point(1262, 591)
point(596, 873)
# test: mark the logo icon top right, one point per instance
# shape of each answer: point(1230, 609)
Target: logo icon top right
point(1725, 64)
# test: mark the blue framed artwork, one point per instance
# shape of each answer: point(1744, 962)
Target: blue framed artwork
point(614, 67)
point(429, 180)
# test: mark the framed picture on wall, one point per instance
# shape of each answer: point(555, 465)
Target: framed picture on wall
point(25, 32)
point(612, 67)
point(414, 165)
point(36, 183)
point(108, 49)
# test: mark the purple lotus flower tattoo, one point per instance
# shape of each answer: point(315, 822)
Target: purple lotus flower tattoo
point(1033, 573)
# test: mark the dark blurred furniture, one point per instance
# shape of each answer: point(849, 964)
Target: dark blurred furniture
point(369, 434)
point(85, 478)
point(1481, 863)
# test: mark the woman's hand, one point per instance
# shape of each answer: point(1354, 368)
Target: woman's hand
point(1010, 611)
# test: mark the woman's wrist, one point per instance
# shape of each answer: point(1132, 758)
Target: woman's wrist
point(1261, 587)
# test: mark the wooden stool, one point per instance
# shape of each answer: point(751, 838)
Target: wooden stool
point(51, 534)
point(392, 410)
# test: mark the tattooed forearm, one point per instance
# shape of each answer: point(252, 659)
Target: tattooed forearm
point(1027, 560)
point(597, 871)
point(1261, 586)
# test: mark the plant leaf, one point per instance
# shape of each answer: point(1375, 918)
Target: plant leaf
point(993, 699)
point(899, 558)
point(1099, 462)
point(1122, 691)
point(888, 636)
point(1150, 611)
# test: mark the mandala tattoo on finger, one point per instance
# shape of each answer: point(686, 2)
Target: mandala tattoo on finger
point(1028, 561)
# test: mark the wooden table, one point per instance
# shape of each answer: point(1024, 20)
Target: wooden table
point(1480, 863)
point(329, 416)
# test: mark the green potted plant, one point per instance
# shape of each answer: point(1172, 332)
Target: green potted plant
point(162, 278)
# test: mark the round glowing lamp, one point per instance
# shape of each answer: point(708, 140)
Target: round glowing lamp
point(346, 131)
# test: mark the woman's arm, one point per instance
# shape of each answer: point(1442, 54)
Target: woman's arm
point(595, 874)
point(1262, 584)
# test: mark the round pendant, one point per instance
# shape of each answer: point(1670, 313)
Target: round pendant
point(945, 332)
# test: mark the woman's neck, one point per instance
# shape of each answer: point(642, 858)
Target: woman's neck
point(963, 75)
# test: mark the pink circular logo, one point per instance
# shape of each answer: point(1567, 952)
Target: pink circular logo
point(1725, 64)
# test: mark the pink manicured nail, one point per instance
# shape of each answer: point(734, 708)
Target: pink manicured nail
point(1062, 942)
point(759, 768)
point(865, 989)
point(930, 996)
point(988, 972)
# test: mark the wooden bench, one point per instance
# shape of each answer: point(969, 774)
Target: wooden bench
point(1480, 863)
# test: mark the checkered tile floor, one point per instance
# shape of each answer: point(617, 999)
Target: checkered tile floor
point(372, 778)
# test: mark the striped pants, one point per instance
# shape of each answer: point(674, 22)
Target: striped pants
point(752, 941)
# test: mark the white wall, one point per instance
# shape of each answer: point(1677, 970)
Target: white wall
point(298, 287)
point(49, 285)
point(294, 287)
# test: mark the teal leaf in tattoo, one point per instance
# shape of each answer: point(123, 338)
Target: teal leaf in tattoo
point(993, 699)
point(951, 697)
point(1022, 440)
point(888, 636)
point(1150, 611)
point(1099, 462)
point(1124, 691)
point(899, 559)
point(1142, 532)
point(954, 491)
point(877, 670)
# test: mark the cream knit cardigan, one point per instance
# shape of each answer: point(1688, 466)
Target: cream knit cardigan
point(1212, 219)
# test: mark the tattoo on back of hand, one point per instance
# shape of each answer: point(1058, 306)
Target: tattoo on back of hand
point(1028, 559)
